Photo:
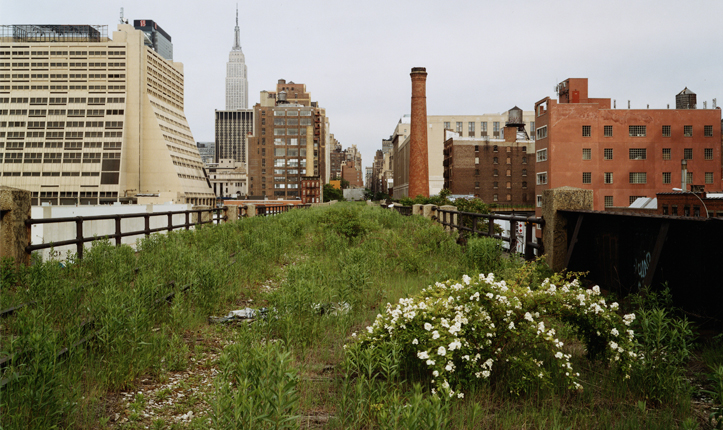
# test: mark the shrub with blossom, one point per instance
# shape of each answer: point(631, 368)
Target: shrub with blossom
point(483, 329)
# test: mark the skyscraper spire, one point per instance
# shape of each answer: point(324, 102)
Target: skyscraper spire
point(237, 86)
point(237, 34)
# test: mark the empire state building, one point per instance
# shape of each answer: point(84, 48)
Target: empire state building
point(237, 85)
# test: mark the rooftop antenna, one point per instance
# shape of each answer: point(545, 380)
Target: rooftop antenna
point(121, 17)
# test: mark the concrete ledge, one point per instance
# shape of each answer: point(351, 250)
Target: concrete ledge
point(14, 234)
point(554, 235)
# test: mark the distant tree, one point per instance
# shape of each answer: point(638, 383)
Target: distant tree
point(368, 194)
point(331, 193)
point(344, 184)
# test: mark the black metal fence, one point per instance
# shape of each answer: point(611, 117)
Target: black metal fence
point(216, 215)
point(268, 210)
point(484, 225)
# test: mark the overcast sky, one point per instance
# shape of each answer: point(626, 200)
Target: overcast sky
point(481, 56)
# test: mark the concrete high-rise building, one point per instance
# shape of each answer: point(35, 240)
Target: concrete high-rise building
point(207, 151)
point(237, 84)
point(85, 119)
point(233, 128)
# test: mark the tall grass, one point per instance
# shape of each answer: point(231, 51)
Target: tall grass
point(322, 274)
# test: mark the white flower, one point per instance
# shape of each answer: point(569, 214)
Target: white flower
point(435, 335)
point(486, 373)
point(435, 373)
point(466, 279)
point(423, 355)
point(370, 329)
point(448, 368)
point(455, 345)
point(511, 326)
point(528, 317)
point(460, 395)
point(614, 331)
point(558, 355)
point(431, 362)
point(614, 306)
point(415, 341)
point(427, 326)
point(613, 345)
point(441, 351)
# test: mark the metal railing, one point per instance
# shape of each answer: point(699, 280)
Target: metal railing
point(468, 221)
point(216, 215)
point(268, 210)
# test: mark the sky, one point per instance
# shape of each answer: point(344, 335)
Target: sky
point(481, 56)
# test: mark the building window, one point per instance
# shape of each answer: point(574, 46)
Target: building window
point(688, 130)
point(459, 127)
point(539, 201)
point(495, 148)
point(495, 184)
point(608, 177)
point(524, 172)
point(495, 172)
point(608, 131)
point(708, 177)
point(524, 185)
point(674, 210)
point(483, 126)
point(476, 160)
point(494, 198)
point(587, 177)
point(665, 209)
point(608, 153)
point(447, 125)
point(476, 184)
point(586, 130)
point(636, 130)
point(476, 148)
point(586, 153)
point(708, 130)
point(666, 177)
point(608, 201)
point(509, 172)
point(542, 178)
point(476, 172)
point(495, 126)
point(638, 153)
point(632, 199)
point(542, 132)
point(524, 160)
point(495, 160)
point(532, 128)
point(542, 155)
point(688, 153)
point(689, 178)
point(470, 127)
point(666, 131)
point(666, 153)
point(638, 178)
point(708, 153)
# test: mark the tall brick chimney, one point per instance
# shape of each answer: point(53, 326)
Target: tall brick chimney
point(418, 153)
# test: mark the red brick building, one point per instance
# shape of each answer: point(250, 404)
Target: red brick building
point(623, 154)
point(310, 189)
point(494, 170)
point(352, 174)
point(690, 204)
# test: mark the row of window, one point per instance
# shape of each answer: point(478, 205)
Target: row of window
point(641, 130)
point(56, 157)
point(62, 100)
point(642, 153)
point(60, 124)
point(59, 134)
point(65, 53)
point(633, 178)
point(496, 160)
point(60, 144)
point(496, 148)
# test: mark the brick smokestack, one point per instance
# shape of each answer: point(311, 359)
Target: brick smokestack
point(418, 153)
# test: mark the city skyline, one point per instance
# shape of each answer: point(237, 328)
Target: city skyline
point(359, 56)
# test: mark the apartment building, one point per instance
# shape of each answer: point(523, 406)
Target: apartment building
point(623, 154)
point(496, 170)
point(232, 130)
point(86, 119)
point(289, 142)
point(485, 126)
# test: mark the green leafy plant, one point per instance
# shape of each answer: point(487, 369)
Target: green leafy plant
point(459, 333)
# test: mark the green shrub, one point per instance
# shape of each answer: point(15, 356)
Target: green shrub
point(460, 333)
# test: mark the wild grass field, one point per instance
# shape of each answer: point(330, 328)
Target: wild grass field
point(524, 348)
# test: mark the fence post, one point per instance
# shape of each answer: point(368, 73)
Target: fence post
point(416, 209)
point(250, 211)
point(231, 213)
point(554, 234)
point(79, 236)
point(14, 233)
point(117, 230)
point(429, 211)
point(453, 217)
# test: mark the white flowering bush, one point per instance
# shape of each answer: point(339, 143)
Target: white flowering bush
point(482, 329)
